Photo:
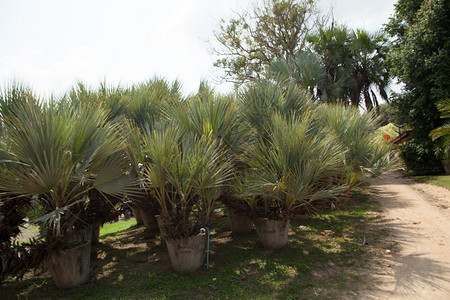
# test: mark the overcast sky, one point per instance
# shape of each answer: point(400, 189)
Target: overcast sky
point(49, 44)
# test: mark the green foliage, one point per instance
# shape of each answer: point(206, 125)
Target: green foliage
point(144, 104)
point(419, 156)
point(443, 132)
point(58, 154)
point(149, 101)
point(388, 115)
point(213, 115)
point(295, 167)
point(306, 70)
point(274, 29)
point(389, 129)
point(301, 152)
point(290, 157)
point(272, 146)
point(364, 151)
point(186, 175)
point(259, 101)
point(342, 66)
point(18, 258)
point(419, 57)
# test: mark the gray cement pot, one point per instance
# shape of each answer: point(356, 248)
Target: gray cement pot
point(96, 233)
point(239, 223)
point(149, 221)
point(126, 214)
point(137, 214)
point(162, 227)
point(70, 267)
point(187, 254)
point(273, 234)
point(446, 165)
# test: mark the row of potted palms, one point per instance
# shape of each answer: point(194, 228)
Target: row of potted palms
point(266, 153)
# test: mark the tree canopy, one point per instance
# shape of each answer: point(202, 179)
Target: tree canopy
point(420, 58)
point(291, 39)
point(274, 29)
point(340, 65)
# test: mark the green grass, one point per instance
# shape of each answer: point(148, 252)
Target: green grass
point(442, 180)
point(325, 259)
point(111, 228)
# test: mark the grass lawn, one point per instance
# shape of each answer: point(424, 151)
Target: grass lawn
point(111, 229)
point(325, 259)
point(441, 180)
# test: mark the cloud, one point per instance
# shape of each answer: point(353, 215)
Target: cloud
point(54, 45)
point(44, 72)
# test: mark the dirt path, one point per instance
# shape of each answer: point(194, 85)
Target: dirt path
point(417, 217)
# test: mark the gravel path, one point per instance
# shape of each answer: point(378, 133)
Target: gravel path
point(418, 219)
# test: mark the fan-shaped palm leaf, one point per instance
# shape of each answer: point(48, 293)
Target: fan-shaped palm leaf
point(298, 166)
point(364, 151)
point(183, 172)
point(58, 155)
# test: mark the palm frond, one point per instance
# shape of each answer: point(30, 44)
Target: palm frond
point(298, 166)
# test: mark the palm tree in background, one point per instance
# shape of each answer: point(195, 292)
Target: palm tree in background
point(368, 72)
point(342, 66)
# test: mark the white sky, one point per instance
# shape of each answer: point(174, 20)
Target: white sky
point(49, 44)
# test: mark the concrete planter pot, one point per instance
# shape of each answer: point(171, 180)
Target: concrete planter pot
point(162, 227)
point(446, 165)
point(96, 233)
point(126, 214)
point(137, 214)
point(239, 223)
point(273, 234)
point(70, 267)
point(149, 221)
point(187, 254)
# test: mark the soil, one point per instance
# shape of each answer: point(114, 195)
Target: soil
point(416, 262)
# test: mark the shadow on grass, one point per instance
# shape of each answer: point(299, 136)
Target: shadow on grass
point(129, 230)
point(324, 258)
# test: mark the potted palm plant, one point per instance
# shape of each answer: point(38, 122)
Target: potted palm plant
point(217, 116)
point(364, 152)
point(297, 166)
point(15, 258)
point(146, 105)
point(186, 175)
point(57, 154)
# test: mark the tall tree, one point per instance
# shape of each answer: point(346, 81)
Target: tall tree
point(343, 66)
point(368, 71)
point(332, 47)
point(420, 58)
point(274, 29)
